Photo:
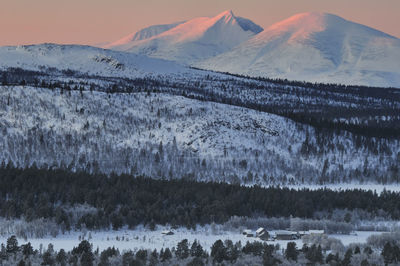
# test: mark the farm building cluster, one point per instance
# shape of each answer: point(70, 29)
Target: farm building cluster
point(263, 234)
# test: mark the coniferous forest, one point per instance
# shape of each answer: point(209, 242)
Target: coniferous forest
point(123, 200)
point(126, 200)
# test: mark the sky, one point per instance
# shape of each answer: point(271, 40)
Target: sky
point(94, 22)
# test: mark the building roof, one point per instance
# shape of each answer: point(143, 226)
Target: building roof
point(285, 232)
point(316, 231)
point(259, 230)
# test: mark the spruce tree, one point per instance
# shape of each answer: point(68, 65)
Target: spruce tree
point(291, 251)
point(167, 255)
point(12, 245)
point(182, 249)
point(61, 257)
point(218, 251)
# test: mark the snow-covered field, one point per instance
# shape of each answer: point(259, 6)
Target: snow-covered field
point(143, 238)
point(356, 237)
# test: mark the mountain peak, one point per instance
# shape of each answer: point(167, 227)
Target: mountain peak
point(226, 13)
point(313, 14)
point(305, 25)
point(226, 16)
point(309, 21)
point(192, 40)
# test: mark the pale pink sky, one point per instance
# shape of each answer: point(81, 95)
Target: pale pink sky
point(98, 21)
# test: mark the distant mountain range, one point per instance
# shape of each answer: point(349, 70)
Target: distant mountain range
point(316, 47)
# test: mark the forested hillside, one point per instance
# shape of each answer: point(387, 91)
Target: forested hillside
point(162, 135)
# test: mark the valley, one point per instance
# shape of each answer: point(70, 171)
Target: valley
point(178, 143)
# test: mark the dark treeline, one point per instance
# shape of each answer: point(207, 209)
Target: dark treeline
point(193, 254)
point(351, 89)
point(367, 111)
point(124, 200)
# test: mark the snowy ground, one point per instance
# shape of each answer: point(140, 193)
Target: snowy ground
point(146, 239)
point(357, 237)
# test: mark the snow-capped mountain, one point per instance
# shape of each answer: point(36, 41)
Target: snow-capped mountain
point(142, 34)
point(85, 59)
point(316, 47)
point(190, 41)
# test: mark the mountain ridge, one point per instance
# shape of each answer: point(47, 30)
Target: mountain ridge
point(312, 46)
point(84, 59)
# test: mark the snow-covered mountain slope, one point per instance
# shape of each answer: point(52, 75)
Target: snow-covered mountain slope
point(191, 41)
point(162, 135)
point(316, 47)
point(142, 34)
point(85, 59)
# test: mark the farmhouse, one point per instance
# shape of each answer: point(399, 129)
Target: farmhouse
point(286, 235)
point(303, 233)
point(264, 235)
point(167, 232)
point(248, 233)
point(260, 231)
point(316, 232)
